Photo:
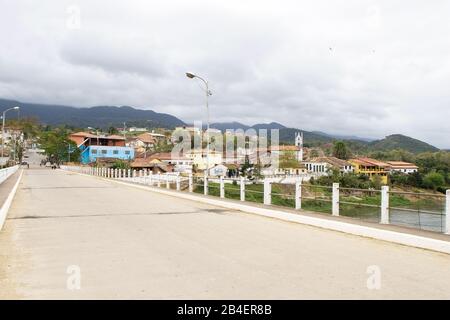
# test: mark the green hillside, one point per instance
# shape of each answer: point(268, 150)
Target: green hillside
point(398, 141)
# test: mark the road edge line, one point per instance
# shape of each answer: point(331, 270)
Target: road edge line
point(7, 204)
point(348, 228)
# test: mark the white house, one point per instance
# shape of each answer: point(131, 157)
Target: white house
point(322, 165)
point(181, 163)
point(219, 170)
point(401, 166)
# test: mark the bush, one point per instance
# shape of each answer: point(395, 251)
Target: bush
point(433, 180)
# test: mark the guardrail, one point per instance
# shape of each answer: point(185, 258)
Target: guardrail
point(7, 172)
point(426, 211)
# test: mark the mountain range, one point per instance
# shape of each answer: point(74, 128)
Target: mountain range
point(99, 116)
point(106, 116)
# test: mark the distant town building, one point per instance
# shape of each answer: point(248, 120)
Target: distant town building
point(101, 146)
point(299, 144)
point(219, 170)
point(403, 167)
point(154, 165)
point(199, 158)
point(136, 129)
point(372, 168)
point(182, 164)
point(142, 142)
point(157, 136)
point(323, 165)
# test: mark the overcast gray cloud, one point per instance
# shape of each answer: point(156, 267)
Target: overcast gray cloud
point(359, 67)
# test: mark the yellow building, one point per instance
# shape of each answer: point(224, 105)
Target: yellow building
point(372, 168)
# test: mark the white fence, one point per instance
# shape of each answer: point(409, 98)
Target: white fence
point(190, 183)
point(7, 172)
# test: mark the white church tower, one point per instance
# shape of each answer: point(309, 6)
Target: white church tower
point(299, 143)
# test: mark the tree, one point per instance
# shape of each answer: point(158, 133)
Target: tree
point(314, 153)
point(121, 164)
point(433, 180)
point(112, 130)
point(288, 160)
point(340, 150)
point(163, 146)
point(56, 145)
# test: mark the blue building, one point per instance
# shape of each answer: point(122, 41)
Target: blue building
point(94, 147)
point(92, 153)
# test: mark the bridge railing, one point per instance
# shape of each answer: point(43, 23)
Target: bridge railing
point(7, 172)
point(428, 211)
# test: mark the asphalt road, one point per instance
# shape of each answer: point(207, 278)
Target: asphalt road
point(120, 242)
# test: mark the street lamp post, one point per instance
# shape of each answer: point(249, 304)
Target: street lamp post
point(208, 93)
point(3, 127)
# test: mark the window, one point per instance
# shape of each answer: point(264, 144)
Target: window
point(94, 151)
point(127, 152)
point(115, 151)
point(104, 151)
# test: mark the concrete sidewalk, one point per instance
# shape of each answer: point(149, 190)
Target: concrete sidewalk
point(131, 243)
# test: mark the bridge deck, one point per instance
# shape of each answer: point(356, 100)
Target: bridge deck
point(132, 243)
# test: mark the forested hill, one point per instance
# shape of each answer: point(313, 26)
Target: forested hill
point(100, 116)
point(398, 141)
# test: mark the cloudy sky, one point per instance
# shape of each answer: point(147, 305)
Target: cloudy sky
point(354, 67)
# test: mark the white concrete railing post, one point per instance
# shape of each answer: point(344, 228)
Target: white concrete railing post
point(109, 173)
point(267, 192)
point(167, 182)
point(129, 173)
point(384, 205)
point(335, 200)
point(178, 183)
point(191, 183)
point(242, 189)
point(205, 185)
point(298, 195)
point(158, 181)
point(134, 173)
point(222, 187)
point(447, 212)
point(150, 178)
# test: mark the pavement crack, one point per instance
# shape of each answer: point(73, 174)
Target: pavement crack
point(104, 215)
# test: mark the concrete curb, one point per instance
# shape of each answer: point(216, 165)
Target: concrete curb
point(7, 204)
point(363, 231)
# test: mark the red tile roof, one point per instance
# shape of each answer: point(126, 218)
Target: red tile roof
point(370, 162)
point(146, 138)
